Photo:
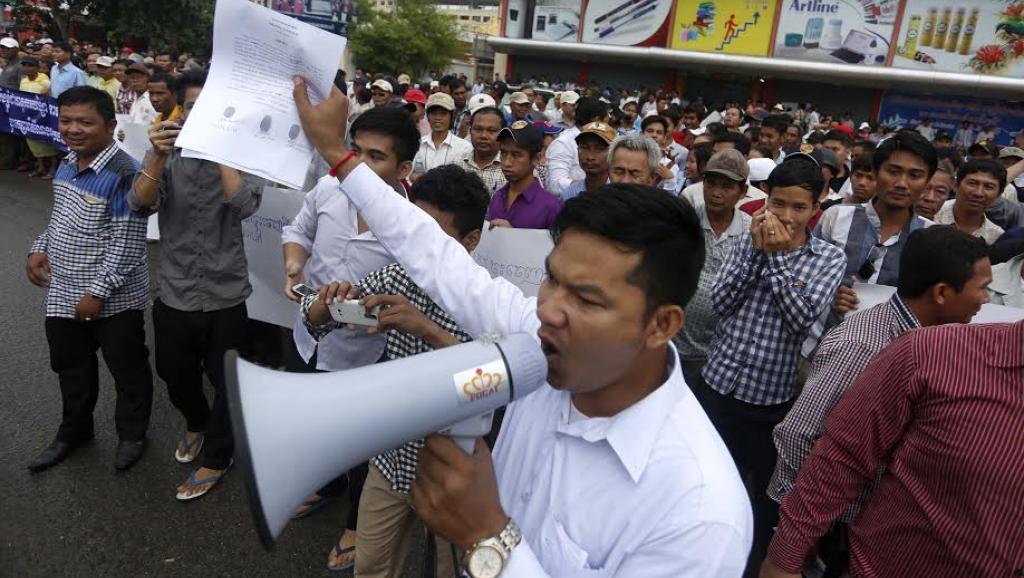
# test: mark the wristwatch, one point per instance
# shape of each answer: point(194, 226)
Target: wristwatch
point(487, 558)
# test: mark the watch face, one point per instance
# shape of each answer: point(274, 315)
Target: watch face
point(485, 562)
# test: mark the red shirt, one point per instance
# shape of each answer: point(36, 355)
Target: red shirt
point(751, 207)
point(942, 410)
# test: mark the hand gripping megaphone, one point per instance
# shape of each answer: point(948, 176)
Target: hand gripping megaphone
point(296, 432)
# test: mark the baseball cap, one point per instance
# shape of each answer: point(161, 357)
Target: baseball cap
point(601, 130)
point(760, 169)
point(759, 114)
point(546, 128)
point(826, 158)
point(519, 98)
point(524, 134)
point(864, 126)
point(478, 101)
point(442, 100)
point(569, 97)
point(44, 41)
point(779, 108)
point(404, 79)
point(137, 68)
point(105, 61)
point(1011, 152)
point(383, 85)
point(729, 163)
point(415, 96)
point(9, 42)
point(845, 130)
point(983, 145)
point(29, 61)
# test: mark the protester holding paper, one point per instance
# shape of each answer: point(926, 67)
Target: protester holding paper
point(202, 283)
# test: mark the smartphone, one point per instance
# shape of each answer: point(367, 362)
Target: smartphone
point(304, 290)
point(351, 311)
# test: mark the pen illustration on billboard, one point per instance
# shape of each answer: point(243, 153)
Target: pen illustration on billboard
point(331, 15)
point(836, 31)
point(627, 22)
point(967, 36)
point(725, 26)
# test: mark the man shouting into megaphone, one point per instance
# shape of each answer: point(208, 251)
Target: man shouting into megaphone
point(612, 468)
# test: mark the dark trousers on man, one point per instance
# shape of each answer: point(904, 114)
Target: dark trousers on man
point(122, 339)
point(746, 430)
point(189, 344)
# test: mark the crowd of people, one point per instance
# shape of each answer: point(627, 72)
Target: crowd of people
point(719, 404)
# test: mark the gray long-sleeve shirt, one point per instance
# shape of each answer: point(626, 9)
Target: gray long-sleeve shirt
point(201, 264)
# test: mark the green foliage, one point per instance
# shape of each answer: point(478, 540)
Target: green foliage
point(414, 38)
point(174, 24)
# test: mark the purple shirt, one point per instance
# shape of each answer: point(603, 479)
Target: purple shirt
point(534, 208)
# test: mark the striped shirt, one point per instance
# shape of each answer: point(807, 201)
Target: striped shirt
point(843, 354)
point(942, 410)
point(767, 302)
point(94, 241)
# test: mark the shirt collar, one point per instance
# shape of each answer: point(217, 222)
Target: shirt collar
point(429, 140)
point(101, 159)
point(735, 228)
point(633, 432)
point(470, 159)
point(905, 318)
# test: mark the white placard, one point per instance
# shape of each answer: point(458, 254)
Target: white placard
point(261, 234)
point(871, 295)
point(136, 137)
point(245, 117)
point(515, 254)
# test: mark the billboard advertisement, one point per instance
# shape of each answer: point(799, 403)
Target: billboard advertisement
point(557, 20)
point(724, 26)
point(627, 22)
point(947, 113)
point(836, 31)
point(965, 36)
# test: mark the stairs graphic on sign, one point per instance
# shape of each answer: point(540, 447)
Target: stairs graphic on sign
point(729, 37)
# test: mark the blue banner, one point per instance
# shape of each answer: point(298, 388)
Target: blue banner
point(946, 113)
point(31, 116)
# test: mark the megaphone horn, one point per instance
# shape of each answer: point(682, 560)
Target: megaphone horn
point(296, 432)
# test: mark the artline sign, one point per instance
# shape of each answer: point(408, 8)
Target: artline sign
point(839, 32)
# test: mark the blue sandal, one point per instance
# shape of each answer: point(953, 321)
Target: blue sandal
point(338, 552)
point(210, 482)
point(196, 444)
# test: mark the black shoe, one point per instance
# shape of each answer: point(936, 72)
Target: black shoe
point(129, 452)
point(52, 455)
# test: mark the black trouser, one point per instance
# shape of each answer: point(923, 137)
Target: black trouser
point(122, 339)
point(188, 344)
point(13, 151)
point(355, 478)
point(746, 430)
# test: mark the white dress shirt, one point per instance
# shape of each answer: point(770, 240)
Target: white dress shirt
point(651, 491)
point(564, 161)
point(428, 156)
point(327, 227)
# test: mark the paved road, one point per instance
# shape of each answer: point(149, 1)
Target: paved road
point(82, 518)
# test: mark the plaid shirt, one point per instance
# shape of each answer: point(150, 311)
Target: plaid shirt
point(844, 353)
point(491, 174)
point(94, 241)
point(767, 302)
point(397, 465)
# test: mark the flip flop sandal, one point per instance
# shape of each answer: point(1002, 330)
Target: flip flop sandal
point(197, 444)
point(312, 506)
point(338, 552)
point(210, 481)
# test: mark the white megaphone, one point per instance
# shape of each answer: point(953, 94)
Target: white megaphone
point(296, 432)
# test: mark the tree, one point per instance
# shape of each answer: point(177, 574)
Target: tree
point(414, 38)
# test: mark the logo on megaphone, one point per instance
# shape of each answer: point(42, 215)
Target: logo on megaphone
point(481, 382)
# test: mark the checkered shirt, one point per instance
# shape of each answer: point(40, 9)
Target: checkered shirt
point(844, 353)
point(94, 241)
point(397, 465)
point(490, 174)
point(768, 302)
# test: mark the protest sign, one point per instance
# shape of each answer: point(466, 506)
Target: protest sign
point(871, 295)
point(246, 117)
point(516, 254)
point(31, 116)
point(136, 137)
point(261, 234)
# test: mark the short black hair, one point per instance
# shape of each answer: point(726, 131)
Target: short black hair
point(911, 142)
point(987, 166)
point(815, 138)
point(798, 170)
point(655, 119)
point(662, 227)
point(191, 79)
point(489, 110)
point(64, 46)
point(938, 254)
point(715, 128)
point(394, 123)
point(765, 151)
point(741, 142)
point(457, 191)
point(840, 136)
point(161, 76)
point(673, 114)
point(702, 153)
point(100, 99)
point(589, 109)
point(776, 122)
point(861, 163)
point(694, 109)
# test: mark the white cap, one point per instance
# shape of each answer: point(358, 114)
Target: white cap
point(760, 169)
point(570, 97)
point(478, 101)
point(864, 126)
point(105, 61)
point(435, 84)
point(383, 85)
point(9, 42)
point(44, 41)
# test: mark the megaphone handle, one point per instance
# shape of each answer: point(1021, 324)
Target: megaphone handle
point(465, 432)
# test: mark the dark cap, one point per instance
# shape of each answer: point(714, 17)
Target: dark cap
point(983, 146)
point(524, 134)
point(826, 158)
point(29, 61)
point(730, 163)
point(138, 68)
